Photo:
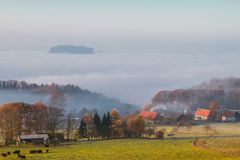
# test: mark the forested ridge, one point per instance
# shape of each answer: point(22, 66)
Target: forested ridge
point(226, 91)
point(76, 97)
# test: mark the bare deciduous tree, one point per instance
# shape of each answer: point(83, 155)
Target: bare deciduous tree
point(71, 124)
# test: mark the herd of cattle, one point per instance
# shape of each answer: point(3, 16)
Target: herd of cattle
point(20, 156)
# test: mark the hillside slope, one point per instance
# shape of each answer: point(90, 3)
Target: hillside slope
point(75, 97)
point(226, 91)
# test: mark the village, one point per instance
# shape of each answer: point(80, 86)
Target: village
point(46, 127)
point(113, 125)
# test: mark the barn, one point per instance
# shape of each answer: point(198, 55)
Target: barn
point(228, 116)
point(150, 118)
point(34, 139)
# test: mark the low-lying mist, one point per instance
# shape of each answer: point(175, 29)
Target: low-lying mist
point(133, 77)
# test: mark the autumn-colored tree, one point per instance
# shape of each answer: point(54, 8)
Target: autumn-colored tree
point(89, 125)
point(10, 120)
point(116, 123)
point(139, 127)
point(214, 105)
point(40, 111)
point(136, 125)
point(127, 133)
point(147, 107)
point(16, 119)
point(28, 113)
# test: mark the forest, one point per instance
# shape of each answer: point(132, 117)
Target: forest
point(75, 97)
point(225, 91)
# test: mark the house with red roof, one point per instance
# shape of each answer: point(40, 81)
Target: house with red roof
point(150, 118)
point(203, 114)
point(217, 115)
point(148, 115)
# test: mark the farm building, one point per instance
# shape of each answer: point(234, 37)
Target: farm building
point(217, 115)
point(172, 118)
point(203, 114)
point(35, 139)
point(150, 118)
point(228, 116)
point(148, 115)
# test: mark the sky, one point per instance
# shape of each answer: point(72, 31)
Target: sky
point(142, 46)
point(114, 25)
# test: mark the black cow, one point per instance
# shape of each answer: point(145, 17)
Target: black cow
point(4, 154)
point(16, 152)
point(39, 151)
point(21, 156)
point(33, 151)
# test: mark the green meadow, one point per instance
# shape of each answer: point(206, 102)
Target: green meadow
point(128, 149)
point(222, 129)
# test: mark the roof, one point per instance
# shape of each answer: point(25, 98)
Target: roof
point(228, 114)
point(149, 115)
point(34, 136)
point(171, 115)
point(203, 112)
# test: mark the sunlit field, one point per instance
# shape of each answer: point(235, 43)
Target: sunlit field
point(226, 146)
point(222, 129)
point(125, 149)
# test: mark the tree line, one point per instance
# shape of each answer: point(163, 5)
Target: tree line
point(77, 96)
point(111, 125)
point(23, 118)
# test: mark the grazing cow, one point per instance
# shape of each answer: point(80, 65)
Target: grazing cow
point(47, 150)
point(21, 156)
point(39, 151)
point(4, 154)
point(33, 151)
point(16, 152)
point(8, 153)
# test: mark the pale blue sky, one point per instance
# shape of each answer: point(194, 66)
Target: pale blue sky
point(27, 23)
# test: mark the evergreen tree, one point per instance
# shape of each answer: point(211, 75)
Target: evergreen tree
point(109, 125)
point(104, 126)
point(83, 129)
point(97, 125)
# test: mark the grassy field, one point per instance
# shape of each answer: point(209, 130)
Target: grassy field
point(125, 149)
point(222, 129)
point(226, 146)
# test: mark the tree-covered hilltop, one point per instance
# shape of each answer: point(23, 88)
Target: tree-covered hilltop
point(226, 91)
point(76, 97)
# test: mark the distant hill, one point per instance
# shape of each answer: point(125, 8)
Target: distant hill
point(71, 49)
point(76, 98)
point(226, 91)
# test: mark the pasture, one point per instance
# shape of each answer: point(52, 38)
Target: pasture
point(226, 146)
point(124, 149)
point(222, 129)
